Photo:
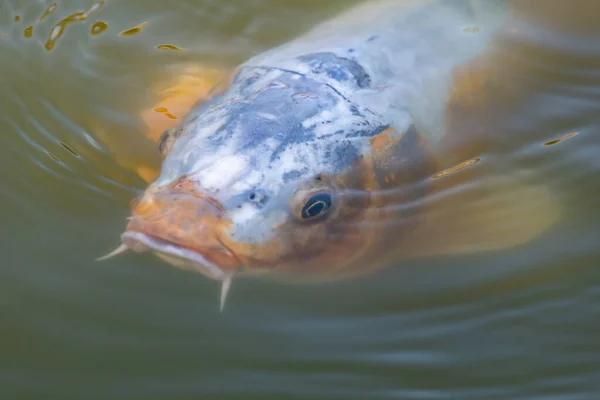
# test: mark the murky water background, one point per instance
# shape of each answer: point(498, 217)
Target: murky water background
point(517, 324)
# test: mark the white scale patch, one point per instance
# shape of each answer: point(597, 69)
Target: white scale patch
point(223, 172)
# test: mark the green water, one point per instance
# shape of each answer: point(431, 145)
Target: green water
point(515, 324)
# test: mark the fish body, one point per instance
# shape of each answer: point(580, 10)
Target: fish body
point(401, 54)
point(312, 160)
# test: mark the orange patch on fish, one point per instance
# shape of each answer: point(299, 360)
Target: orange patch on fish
point(181, 216)
point(386, 139)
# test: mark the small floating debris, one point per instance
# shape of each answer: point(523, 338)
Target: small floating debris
point(165, 110)
point(52, 156)
point(457, 168)
point(51, 8)
point(69, 149)
point(133, 31)
point(565, 137)
point(98, 28)
point(169, 47)
point(59, 28)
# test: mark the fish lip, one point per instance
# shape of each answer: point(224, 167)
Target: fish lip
point(140, 242)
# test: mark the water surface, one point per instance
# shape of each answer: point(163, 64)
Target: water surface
point(516, 324)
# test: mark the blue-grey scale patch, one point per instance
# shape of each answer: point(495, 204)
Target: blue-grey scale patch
point(337, 68)
point(272, 118)
point(366, 132)
point(342, 153)
point(246, 108)
point(291, 175)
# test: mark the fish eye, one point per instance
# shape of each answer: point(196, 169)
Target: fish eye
point(316, 206)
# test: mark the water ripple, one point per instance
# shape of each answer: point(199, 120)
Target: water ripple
point(518, 323)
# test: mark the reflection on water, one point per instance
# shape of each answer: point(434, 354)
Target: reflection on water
point(514, 324)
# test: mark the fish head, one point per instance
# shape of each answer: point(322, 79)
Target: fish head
point(273, 174)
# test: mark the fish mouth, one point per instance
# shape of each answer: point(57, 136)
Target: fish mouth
point(174, 254)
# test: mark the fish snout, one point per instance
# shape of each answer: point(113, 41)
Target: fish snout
point(187, 227)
